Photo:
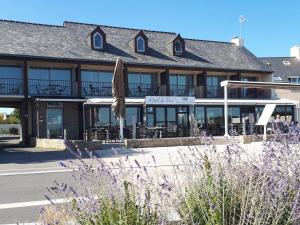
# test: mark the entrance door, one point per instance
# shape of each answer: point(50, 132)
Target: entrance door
point(54, 123)
point(182, 121)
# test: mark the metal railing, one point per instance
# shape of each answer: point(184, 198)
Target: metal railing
point(9, 86)
point(214, 92)
point(50, 87)
point(181, 90)
point(142, 90)
point(90, 88)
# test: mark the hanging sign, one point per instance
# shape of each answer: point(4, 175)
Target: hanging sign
point(169, 100)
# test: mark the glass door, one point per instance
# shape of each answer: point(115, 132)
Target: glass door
point(54, 123)
point(182, 121)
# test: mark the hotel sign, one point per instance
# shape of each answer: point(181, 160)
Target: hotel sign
point(169, 100)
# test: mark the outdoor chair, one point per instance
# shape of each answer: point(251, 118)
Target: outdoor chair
point(60, 90)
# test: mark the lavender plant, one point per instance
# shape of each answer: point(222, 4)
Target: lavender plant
point(117, 193)
point(209, 186)
point(232, 187)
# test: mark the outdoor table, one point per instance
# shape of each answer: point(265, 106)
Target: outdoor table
point(156, 129)
point(53, 88)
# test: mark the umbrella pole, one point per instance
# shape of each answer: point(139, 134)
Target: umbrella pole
point(121, 129)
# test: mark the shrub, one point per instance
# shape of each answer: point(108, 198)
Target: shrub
point(105, 196)
point(234, 188)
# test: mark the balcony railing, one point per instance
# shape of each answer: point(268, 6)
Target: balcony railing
point(214, 92)
point(181, 90)
point(9, 86)
point(142, 90)
point(255, 93)
point(50, 87)
point(103, 89)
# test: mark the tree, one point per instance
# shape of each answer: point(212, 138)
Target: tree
point(14, 117)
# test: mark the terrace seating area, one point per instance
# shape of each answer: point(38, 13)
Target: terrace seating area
point(50, 87)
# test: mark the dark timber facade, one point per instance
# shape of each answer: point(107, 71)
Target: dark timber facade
point(60, 76)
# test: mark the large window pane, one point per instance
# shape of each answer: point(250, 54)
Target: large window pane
point(54, 123)
point(171, 115)
point(214, 89)
point(200, 114)
point(141, 84)
point(102, 118)
point(60, 74)
point(160, 116)
point(10, 72)
point(234, 115)
point(181, 85)
point(130, 113)
point(39, 74)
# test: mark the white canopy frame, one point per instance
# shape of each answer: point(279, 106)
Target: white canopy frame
point(251, 84)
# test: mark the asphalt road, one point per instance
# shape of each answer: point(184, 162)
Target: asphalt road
point(26, 173)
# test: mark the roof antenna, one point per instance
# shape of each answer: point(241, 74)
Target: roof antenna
point(242, 20)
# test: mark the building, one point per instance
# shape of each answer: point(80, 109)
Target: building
point(60, 77)
point(286, 69)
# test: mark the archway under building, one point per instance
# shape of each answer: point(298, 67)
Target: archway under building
point(12, 133)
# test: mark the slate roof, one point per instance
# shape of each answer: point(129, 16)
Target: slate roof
point(281, 70)
point(70, 41)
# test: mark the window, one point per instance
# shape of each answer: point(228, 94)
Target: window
point(49, 81)
point(178, 47)
point(133, 112)
point(11, 80)
point(234, 115)
point(11, 72)
point(160, 116)
point(98, 41)
point(104, 117)
point(141, 84)
point(295, 80)
point(214, 89)
point(54, 123)
point(199, 114)
point(140, 44)
point(181, 85)
point(96, 83)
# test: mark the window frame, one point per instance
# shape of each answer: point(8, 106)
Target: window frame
point(181, 47)
point(139, 38)
point(94, 41)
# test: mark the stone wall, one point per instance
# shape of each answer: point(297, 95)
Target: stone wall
point(246, 139)
point(61, 144)
point(161, 142)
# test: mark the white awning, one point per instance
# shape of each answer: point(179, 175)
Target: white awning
point(109, 101)
point(245, 101)
point(266, 114)
point(60, 100)
point(264, 85)
point(204, 101)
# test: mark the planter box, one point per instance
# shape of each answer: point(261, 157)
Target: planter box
point(161, 142)
point(61, 144)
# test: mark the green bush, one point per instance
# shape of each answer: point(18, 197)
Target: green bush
point(121, 211)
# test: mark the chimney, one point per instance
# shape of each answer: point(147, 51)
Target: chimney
point(238, 41)
point(295, 51)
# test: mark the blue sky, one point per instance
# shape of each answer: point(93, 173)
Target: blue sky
point(272, 26)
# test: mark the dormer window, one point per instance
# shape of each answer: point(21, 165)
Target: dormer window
point(178, 47)
point(98, 41)
point(140, 44)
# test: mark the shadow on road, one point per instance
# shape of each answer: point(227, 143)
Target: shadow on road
point(12, 152)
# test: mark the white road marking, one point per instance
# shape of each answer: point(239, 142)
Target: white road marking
point(34, 203)
point(36, 172)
